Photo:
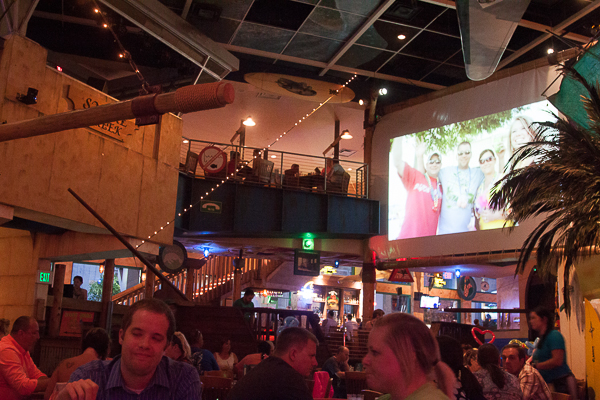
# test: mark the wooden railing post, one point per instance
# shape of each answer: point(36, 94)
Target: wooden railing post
point(57, 292)
point(107, 286)
point(189, 284)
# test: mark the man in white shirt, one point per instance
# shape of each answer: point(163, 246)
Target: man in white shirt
point(328, 323)
point(350, 326)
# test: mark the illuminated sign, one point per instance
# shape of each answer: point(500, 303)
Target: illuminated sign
point(308, 244)
point(328, 270)
point(43, 277)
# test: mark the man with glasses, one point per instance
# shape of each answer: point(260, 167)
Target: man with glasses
point(19, 377)
point(424, 192)
point(459, 184)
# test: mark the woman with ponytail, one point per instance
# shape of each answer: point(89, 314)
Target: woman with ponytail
point(403, 360)
point(467, 387)
point(496, 383)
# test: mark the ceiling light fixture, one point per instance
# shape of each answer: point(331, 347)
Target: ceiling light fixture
point(550, 51)
point(361, 102)
point(185, 141)
point(401, 37)
point(383, 91)
point(273, 156)
point(346, 134)
point(249, 122)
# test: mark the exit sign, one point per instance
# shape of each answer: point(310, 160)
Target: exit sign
point(43, 277)
point(308, 244)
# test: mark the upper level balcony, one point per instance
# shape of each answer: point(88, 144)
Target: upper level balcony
point(274, 194)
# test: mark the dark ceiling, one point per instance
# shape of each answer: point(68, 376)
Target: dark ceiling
point(320, 39)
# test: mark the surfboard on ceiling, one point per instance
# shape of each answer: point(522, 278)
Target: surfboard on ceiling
point(486, 27)
point(300, 88)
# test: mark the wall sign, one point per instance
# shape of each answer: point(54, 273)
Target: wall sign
point(83, 99)
point(401, 275)
point(212, 159)
point(466, 288)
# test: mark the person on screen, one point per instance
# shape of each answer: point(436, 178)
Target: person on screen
point(519, 134)
point(488, 218)
point(459, 184)
point(424, 194)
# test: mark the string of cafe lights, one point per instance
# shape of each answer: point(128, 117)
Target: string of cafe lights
point(124, 53)
point(185, 210)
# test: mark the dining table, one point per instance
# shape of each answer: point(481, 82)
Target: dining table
point(312, 181)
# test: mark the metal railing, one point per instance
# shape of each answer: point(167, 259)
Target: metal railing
point(308, 164)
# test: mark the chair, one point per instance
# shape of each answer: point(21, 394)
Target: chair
point(338, 182)
point(261, 172)
point(560, 396)
point(222, 374)
point(371, 394)
point(355, 382)
point(291, 176)
point(191, 163)
point(215, 388)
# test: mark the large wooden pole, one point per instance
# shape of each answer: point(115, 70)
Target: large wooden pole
point(57, 292)
point(149, 288)
point(368, 278)
point(183, 100)
point(107, 285)
point(189, 284)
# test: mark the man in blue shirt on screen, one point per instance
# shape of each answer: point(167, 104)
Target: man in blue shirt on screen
point(141, 371)
point(459, 185)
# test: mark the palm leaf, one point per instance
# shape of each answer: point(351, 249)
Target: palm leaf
point(562, 186)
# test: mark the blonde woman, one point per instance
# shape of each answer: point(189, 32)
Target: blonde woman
point(403, 360)
point(179, 349)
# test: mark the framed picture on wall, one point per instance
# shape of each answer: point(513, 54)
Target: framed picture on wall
point(307, 262)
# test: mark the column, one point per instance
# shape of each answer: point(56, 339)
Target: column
point(368, 278)
point(57, 292)
point(107, 286)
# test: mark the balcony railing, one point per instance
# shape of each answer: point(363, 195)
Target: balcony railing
point(308, 164)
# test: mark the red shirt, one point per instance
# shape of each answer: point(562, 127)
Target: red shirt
point(18, 373)
point(420, 218)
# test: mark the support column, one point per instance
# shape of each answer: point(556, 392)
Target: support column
point(238, 265)
point(106, 302)
point(368, 278)
point(57, 292)
point(189, 284)
point(149, 289)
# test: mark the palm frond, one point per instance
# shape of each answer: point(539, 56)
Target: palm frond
point(562, 186)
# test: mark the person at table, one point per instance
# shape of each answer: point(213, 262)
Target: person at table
point(179, 349)
point(496, 382)
point(459, 184)
point(336, 367)
point(470, 360)
point(19, 377)
point(95, 346)
point(202, 359)
point(78, 292)
point(141, 371)
point(329, 323)
point(467, 387)
point(330, 168)
point(226, 358)
point(424, 193)
point(350, 325)
point(281, 376)
point(532, 384)
point(264, 351)
point(377, 314)
point(550, 355)
point(403, 360)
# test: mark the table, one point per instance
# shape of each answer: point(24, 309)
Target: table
point(312, 181)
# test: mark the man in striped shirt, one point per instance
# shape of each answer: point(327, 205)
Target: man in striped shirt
point(532, 384)
point(141, 371)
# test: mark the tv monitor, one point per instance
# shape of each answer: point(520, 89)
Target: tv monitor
point(440, 179)
point(430, 301)
point(307, 262)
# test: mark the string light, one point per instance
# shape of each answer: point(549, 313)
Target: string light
point(245, 163)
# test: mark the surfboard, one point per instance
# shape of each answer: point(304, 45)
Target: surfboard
point(592, 348)
point(300, 88)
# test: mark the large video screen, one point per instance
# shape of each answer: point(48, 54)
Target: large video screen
point(440, 179)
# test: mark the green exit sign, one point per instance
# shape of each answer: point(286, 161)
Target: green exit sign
point(308, 244)
point(44, 277)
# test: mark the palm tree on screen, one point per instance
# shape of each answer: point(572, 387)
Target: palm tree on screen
point(562, 186)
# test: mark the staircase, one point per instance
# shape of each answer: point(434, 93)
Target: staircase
point(211, 282)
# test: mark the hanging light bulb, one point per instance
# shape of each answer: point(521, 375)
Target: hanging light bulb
point(101, 268)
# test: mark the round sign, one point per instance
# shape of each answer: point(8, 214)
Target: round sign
point(466, 288)
point(212, 159)
point(485, 286)
point(171, 258)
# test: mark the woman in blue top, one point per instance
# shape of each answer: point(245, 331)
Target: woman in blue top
point(550, 356)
